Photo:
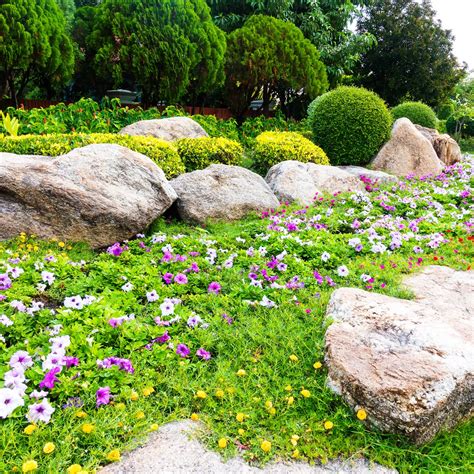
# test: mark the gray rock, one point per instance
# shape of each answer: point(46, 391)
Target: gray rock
point(295, 181)
point(407, 152)
point(99, 194)
point(373, 175)
point(173, 449)
point(221, 192)
point(409, 364)
point(446, 147)
point(168, 129)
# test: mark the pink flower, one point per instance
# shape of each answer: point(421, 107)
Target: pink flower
point(214, 287)
point(102, 396)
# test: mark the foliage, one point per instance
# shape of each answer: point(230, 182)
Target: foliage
point(417, 112)
point(253, 369)
point(35, 47)
point(218, 127)
point(325, 23)
point(351, 124)
point(163, 46)
point(68, 7)
point(462, 126)
point(271, 57)
point(461, 121)
point(11, 125)
point(199, 153)
point(272, 148)
point(413, 59)
point(467, 145)
point(161, 152)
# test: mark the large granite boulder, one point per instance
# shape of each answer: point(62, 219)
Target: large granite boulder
point(99, 194)
point(373, 175)
point(221, 192)
point(407, 152)
point(408, 364)
point(168, 129)
point(295, 181)
point(446, 148)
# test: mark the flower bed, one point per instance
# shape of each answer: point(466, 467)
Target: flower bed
point(223, 324)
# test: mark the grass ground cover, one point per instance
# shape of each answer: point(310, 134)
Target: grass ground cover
point(224, 324)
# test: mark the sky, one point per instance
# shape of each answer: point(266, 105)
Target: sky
point(458, 16)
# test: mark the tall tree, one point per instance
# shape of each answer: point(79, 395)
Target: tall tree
point(271, 57)
point(163, 46)
point(324, 22)
point(414, 56)
point(35, 48)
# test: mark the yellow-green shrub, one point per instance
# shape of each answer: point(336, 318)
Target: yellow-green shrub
point(162, 153)
point(274, 147)
point(199, 153)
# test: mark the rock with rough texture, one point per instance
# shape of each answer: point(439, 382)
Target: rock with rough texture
point(168, 129)
point(99, 194)
point(409, 364)
point(174, 449)
point(378, 176)
point(407, 152)
point(446, 147)
point(221, 192)
point(295, 181)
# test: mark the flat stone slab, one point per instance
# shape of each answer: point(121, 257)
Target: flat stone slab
point(409, 364)
point(173, 449)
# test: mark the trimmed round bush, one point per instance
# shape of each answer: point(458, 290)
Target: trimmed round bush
point(159, 151)
point(417, 112)
point(274, 147)
point(199, 153)
point(463, 125)
point(350, 124)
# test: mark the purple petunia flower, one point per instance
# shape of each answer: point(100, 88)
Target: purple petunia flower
point(5, 282)
point(203, 354)
point(168, 278)
point(214, 287)
point(182, 350)
point(181, 279)
point(71, 361)
point(102, 396)
point(50, 378)
point(115, 249)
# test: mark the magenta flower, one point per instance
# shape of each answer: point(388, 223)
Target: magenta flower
point(102, 396)
point(50, 378)
point(203, 354)
point(115, 249)
point(181, 279)
point(164, 338)
point(214, 287)
point(5, 282)
point(71, 361)
point(182, 350)
point(168, 278)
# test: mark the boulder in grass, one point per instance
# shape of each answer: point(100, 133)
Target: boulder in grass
point(408, 364)
point(99, 194)
point(221, 192)
point(408, 152)
point(169, 129)
point(447, 149)
point(294, 181)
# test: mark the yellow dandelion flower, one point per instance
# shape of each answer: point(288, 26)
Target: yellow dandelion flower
point(74, 469)
point(305, 393)
point(361, 414)
point(120, 406)
point(154, 427)
point(87, 428)
point(222, 443)
point(147, 391)
point(328, 425)
point(201, 394)
point(317, 365)
point(295, 453)
point(29, 466)
point(81, 414)
point(219, 393)
point(272, 411)
point(195, 417)
point(241, 432)
point(288, 388)
point(293, 358)
point(48, 448)
point(140, 415)
point(240, 417)
point(29, 429)
point(291, 400)
point(61, 244)
point(294, 440)
point(134, 396)
point(113, 455)
point(268, 404)
point(266, 446)
point(241, 373)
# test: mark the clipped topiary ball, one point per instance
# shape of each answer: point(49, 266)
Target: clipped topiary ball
point(350, 124)
point(417, 112)
point(274, 147)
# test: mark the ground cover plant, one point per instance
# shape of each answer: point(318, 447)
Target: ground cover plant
point(224, 324)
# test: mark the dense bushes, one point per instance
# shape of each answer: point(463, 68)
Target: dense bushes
point(161, 152)
point(350, 124)
point(199, 153)
point(463, 126)
point(417, 112)
point(274, 147)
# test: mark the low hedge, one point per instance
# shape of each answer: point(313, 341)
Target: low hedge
point(199, 153)
point(274, 147)
point(417, 112)
point(161, 152)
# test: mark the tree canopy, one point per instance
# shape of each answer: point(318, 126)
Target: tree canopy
point(35, 47)
point(163, 46)
point(271, 56)
point(413, 59)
